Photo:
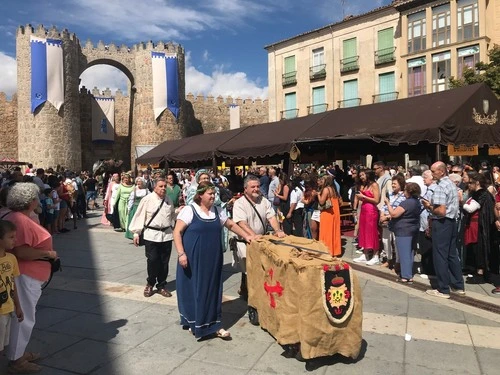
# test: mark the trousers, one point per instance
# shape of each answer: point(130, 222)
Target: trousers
point(158, 256)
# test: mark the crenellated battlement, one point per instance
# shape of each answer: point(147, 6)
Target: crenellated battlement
point(209, 99)
point(42, 32)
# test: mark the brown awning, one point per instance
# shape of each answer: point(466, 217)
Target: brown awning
point(161, 152)
point(268, 139)
point(445, 117)
point(203, 146)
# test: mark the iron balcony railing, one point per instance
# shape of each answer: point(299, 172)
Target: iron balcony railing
point(385, 55)
point(290, 78)
point(349, 64)
point(386, 97)
point(317, 108)
point(317, 71)
point(288, 114)
point(349, 103)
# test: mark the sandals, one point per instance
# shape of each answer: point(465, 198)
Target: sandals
point(223, 334)
point(164, 292)
point(404, 281)
point(148, 291)
point(24, 367)
point(31, 357)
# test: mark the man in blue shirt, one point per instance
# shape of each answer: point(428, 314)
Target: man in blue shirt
point(443, 209)
point(264, 181)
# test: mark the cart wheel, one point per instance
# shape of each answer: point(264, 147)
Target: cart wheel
point(253, 316)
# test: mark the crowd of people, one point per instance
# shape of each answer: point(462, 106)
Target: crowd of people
point(446, 215)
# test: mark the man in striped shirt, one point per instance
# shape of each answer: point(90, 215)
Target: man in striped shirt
point(443, 209)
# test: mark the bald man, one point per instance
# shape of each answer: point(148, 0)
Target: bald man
point(443, 210)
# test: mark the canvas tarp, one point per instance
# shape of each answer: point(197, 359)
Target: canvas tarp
point(445, 118)
point(160, 152)
point(285, 286)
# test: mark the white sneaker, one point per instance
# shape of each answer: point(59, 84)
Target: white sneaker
point(437, 293)
point(360, 259)
point(424, 276)
point(374, 261)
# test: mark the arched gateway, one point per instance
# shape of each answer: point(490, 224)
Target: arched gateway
point(48, 137)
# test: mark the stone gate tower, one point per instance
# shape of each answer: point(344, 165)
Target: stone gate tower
point(49, 137)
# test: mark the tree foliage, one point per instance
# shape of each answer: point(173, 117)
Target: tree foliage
point(487, 73)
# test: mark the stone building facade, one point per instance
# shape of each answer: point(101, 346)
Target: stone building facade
point(48, 137)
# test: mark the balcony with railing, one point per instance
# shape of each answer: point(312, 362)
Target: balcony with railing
point(349, 64)
point(288, 114)
point(385, 56)
point(290, 78)
point(317, 108)
point(386, 97)
point(317, 72)
point(355, 102)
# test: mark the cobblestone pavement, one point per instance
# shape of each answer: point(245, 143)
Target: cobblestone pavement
point(93, 319)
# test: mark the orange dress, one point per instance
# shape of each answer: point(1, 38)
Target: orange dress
point(329, 228)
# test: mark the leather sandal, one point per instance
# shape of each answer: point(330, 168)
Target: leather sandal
point(148, 291)
point(31, 356)
point(24, 367)
point(223, 334)
point(164, 292)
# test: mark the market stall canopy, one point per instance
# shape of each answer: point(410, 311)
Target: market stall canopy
point(259, 141)
point(466, 115)
point(203, 147)
point(161, 152)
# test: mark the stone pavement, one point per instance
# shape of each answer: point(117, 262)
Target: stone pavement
point(93, 319)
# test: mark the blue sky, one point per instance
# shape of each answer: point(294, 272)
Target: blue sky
point(224, 39)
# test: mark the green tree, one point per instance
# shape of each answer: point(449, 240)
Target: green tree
point(487, 73)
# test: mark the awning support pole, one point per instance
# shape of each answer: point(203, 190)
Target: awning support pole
point(438, 152)
point(214, 164)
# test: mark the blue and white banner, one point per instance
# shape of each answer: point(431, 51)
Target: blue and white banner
point(47, 75)
point(165, 83)
point(103, 119)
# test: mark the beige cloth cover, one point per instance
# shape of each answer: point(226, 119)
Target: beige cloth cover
point(299, 315)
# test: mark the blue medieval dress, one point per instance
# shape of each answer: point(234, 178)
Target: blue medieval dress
point(199, 285)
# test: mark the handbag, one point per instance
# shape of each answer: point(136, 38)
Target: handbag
point(141, 236)
point(326, 206)
point(276, 201)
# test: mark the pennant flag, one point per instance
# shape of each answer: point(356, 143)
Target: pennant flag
point(165, 83)
point(103, 119)
point(47, 76)
point(234, 116)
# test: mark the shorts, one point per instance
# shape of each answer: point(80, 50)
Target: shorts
point(316, 215)
point(49, 218)
point(4, 330)
point(91, 195)
point(63, 204)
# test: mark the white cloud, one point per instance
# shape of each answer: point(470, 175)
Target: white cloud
point(219, 82)
point(8, 83)
point(205, 56)
point(104, 76)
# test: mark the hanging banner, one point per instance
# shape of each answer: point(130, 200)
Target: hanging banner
point(165, 83)
point(463, 150)
point(47, 76)
point(103, 119)
point(234, 116)
point(494, 150)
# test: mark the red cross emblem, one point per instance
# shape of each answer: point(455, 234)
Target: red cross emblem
point(271, 290)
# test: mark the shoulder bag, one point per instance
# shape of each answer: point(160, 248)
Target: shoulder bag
point(258, 215)
point(141, 236)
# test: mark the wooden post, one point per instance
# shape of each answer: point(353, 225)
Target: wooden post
point(214, 164)
point(438, 152)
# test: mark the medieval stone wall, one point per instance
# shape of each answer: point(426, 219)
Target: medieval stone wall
point(214, 112)
point(49, 137)
point(8, 127)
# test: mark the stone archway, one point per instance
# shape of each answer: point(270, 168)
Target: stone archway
point(50, 137)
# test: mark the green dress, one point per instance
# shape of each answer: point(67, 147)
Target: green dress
point(174, 193)
point(134, 200)
point(122, 195)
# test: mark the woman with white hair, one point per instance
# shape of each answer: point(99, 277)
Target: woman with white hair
point(33, 244)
